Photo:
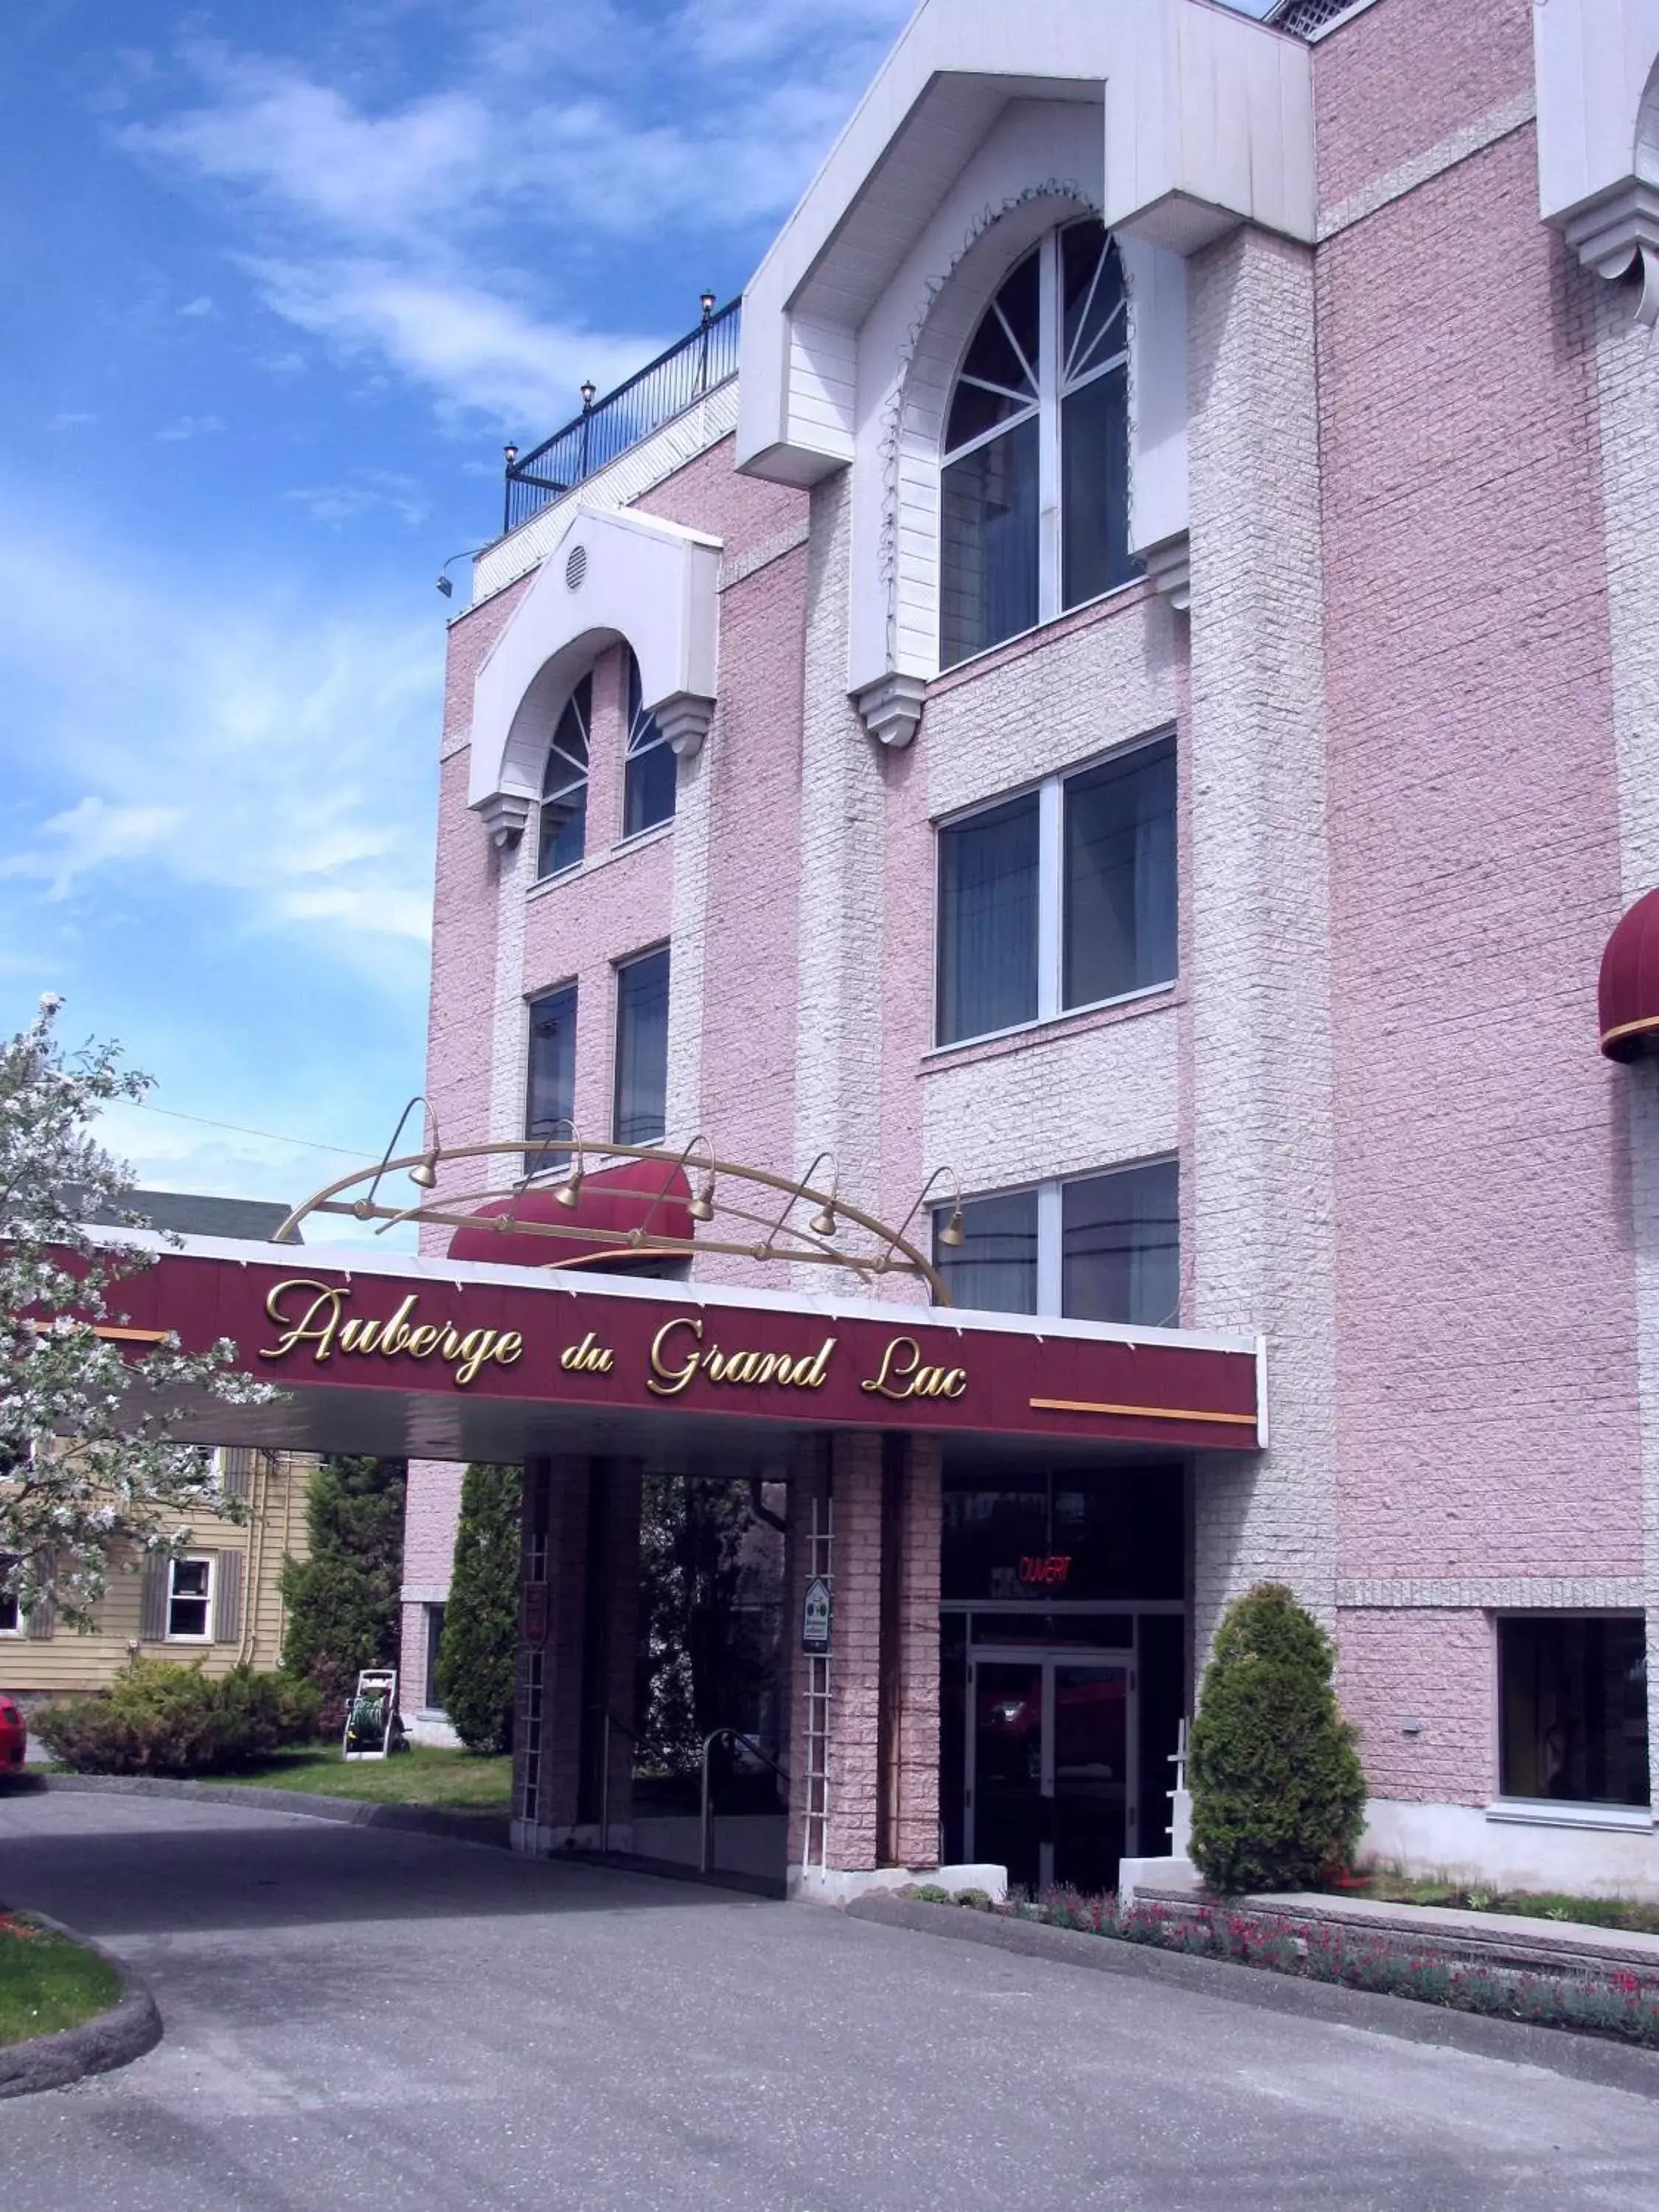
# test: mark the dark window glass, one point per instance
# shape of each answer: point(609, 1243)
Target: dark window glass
point(11, 1617)
point(1119, 912)
point(988, 544)
point(987, 921)
point(1039, 1539)
point(1573, 1702)
point(188, 1595)
point(1020, 305)
point(434, 1636)
point(1121, 1247)
point(550, 1097)
point(564, 830)
point(642, 1093)
point(1094, 497)
point(994, 1269)
point(649, 780)
point(1091, 286)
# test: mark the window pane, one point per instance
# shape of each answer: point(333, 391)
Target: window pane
point(1094, 458)
point(1119, 913)
point(1573, 1710)
point(642, 1100)
point(1091, 279)
point(562, 832)
point(994, 1269)
point(648, 787)
point(1020, 301)
point(987, 921)
point(1121, 1247)
point(552, 1092)
point(435, 1638)
point(988, 545)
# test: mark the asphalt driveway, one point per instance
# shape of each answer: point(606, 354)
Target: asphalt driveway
point(357, 2017)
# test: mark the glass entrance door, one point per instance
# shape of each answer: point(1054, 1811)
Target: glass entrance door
point(1050, 1767)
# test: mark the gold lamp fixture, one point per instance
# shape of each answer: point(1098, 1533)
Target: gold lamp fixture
point(423, 1175)
point(702, 1207)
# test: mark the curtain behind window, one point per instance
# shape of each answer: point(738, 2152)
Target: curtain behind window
point(988, 545)
point(642, 1093)
point(1121, 1247)
point(994, 1269)
point(1120, 889)
point(987, 921)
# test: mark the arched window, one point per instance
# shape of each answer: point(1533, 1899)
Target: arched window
point(648, 779)
point(1034, 482)
point(564, 785)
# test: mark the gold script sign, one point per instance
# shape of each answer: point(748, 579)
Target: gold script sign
point(904, 1374)
point(323, 1326)
point(674, 1362)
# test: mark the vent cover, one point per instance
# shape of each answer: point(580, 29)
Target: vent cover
point(576, 568)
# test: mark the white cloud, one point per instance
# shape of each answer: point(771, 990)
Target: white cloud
point(365, 491)
point(272, 756)
point(469, 347)
point(69, 419)
point(87, 836)
point(197, 307)
point(188, 427)
point(402, 230)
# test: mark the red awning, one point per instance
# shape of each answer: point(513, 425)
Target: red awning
point(640, 1196)
point(1628, 990)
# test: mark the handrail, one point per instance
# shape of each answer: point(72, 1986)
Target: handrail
point(633, 1735)
point(733, 1735)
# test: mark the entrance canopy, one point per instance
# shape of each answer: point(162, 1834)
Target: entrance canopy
point(448, 1359)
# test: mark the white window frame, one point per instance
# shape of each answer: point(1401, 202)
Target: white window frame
point(189, 1597)
point(1051, 1223)
point(1051, 888)
point(1053, 388)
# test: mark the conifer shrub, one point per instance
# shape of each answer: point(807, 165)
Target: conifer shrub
point(344, 1599)
point(162, 1717)
point(477, 1657)
point(1278, 1794)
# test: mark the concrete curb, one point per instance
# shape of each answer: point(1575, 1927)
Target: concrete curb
point(116, 2038)
point(1580, 2056)
point(490, 1829)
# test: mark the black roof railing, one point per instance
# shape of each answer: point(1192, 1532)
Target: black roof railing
point(697, 364)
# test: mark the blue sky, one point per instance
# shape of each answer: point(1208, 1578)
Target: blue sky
point(277, 283)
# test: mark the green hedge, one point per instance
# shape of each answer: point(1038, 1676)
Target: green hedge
point(162, 1717)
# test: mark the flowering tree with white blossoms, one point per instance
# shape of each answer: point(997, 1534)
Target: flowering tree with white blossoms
point(90, 1479)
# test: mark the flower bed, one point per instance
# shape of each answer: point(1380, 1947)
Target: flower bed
point(1622, 2004)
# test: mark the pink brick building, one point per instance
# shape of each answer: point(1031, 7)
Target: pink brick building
point(1132, 692)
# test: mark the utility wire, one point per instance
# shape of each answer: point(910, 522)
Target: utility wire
point(342, 1152)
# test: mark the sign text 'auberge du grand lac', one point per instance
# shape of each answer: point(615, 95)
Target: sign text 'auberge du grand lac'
point(542, 1343)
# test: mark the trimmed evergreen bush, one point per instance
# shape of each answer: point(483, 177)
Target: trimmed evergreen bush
point(481, 1620)
point(1278, 1794)
point(163, 1717)
point(344, 1600)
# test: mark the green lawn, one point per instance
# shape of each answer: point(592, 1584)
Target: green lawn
point(422, 1775)
point(1620, 1912)
point(47, 1982)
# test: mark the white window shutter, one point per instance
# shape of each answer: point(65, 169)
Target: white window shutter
point(228, 1573)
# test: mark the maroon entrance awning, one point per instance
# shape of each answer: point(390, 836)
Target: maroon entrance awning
point(640, 1199)
point(1629, 989)
point(452, 1359)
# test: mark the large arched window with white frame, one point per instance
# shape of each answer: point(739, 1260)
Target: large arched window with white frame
point(563, 837)
point(1034, 490)
point(649, 776)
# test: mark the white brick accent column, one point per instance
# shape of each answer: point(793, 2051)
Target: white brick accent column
point(1262, 1148)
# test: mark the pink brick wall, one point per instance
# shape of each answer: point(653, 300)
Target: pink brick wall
point(1430, 1666)
point(1408, 74)
point(1487, 1386)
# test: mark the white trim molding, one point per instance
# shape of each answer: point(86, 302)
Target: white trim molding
point(890, 708)
point(607, 576)
point(1597, 68)
point(1152, 75)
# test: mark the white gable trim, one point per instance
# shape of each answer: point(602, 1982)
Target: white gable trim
point(608, 576)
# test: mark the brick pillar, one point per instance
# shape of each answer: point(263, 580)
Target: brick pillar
point(809, 1485)
point(855, 1471)
point(613, 1598)
point(912, 1764)
point(553, 1567)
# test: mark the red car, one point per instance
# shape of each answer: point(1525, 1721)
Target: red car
point(14, 1734)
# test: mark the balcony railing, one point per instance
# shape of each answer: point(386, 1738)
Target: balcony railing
point(698, 364)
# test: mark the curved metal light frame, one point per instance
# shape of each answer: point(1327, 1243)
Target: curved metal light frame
point(895, 1253)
